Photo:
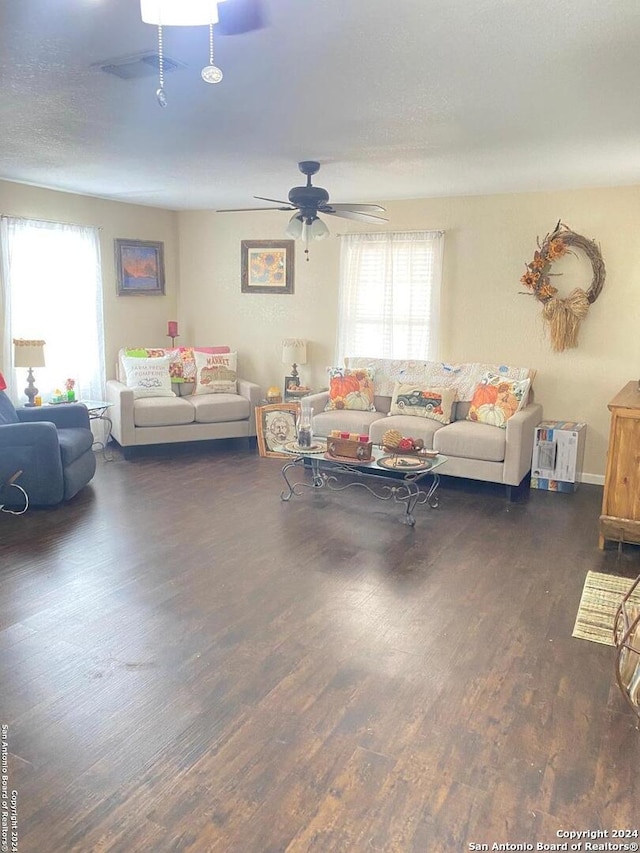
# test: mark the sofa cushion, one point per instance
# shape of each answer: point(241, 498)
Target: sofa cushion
point(471, 440)
point(74, 441)
point(345, 421)
point(497, 398)
point(350, 390)
point(216, 373)
point(219, 408)
point(162, 411)
point(148, 377)
point(410, 427)
point(416, 399)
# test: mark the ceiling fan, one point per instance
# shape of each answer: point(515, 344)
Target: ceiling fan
point(308, 201)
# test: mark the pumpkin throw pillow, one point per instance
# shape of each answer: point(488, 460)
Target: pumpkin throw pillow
point(216, 373)
point(350, 390)
point(416, 400)
point(148, 377)
point(496, 399)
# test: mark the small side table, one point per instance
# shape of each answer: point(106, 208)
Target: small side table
point(98, 412)
point(291, 395)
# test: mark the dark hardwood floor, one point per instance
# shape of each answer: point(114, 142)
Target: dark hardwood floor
point(189, 664)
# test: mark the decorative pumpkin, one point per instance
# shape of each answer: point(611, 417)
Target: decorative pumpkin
point(392, 438)
point(343, 385)
point(357, 401)
point(484, 394)
point(508, 402)
point(488, 413)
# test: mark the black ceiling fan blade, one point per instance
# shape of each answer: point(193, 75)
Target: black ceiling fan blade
point(240, 16)
point(240, 209)
point(358, 208)
point(274, 200)
point(359, 217)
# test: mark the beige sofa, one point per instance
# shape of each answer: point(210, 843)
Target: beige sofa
point(474, 450)
point(185, 417)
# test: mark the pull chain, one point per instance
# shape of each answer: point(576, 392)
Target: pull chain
point(211, 73)
point(160, 94)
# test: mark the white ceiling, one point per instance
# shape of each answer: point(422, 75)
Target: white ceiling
point(404, 99)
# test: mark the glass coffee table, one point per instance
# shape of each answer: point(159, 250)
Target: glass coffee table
point(402, 478)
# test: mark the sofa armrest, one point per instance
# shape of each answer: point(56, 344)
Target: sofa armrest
point(317, 401)
point(121, 412)
point(63, 416)
point(519, 443)
point(253, 394)
point(34, 449)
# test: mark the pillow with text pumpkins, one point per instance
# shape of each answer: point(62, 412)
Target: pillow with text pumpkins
point(148, 377)
point(497, 398)
point(350, 390)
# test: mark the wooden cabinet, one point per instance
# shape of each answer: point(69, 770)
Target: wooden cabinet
point(620, 519)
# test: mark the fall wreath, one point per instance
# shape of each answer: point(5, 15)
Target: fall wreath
point(563, 315)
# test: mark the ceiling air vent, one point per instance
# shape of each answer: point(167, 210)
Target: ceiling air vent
point(138, 66)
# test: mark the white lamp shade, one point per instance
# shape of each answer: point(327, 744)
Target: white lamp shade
point(28, 353)
point(179, 13)
point(295, 226)
point(294, 351)
point(318, 230)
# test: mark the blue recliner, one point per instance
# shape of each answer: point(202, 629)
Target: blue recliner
point(51, 446)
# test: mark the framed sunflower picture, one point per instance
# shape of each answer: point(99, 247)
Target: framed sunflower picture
point(267, 266)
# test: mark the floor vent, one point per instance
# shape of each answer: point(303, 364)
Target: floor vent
point(139, 65)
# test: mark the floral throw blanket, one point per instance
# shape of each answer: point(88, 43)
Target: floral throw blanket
point(462, 377)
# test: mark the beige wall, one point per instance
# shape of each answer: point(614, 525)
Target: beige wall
point(129, 320)
point(488, 240)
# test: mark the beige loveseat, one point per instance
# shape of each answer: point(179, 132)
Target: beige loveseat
point(184, 417)
point(478, 451)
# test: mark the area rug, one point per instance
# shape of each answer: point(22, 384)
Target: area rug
point(601, 596)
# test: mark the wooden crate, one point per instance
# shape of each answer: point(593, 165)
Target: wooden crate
point(349, 449)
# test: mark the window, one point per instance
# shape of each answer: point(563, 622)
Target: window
point(52, 290)
point(390, 295)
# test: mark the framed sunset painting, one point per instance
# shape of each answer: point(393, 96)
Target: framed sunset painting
point(267, 266)
point(139, 267)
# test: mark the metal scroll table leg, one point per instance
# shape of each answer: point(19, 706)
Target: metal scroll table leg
point(288, 493)
point(317, 479)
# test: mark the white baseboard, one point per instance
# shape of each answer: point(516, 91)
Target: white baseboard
point(594, 479)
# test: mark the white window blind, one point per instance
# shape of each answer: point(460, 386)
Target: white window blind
point(390, 295)
point(52, 289)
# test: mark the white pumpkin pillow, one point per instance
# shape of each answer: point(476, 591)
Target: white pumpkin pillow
point(148, 377)
point(216, 373)
point(496, 399)
point(422, 402)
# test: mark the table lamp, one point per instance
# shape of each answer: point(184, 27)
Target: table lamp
point(294, 350)
point(28, 354)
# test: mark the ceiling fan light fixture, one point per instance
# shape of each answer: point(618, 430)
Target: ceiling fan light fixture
point(318, 230)
point(179, 13)
point(295, 227)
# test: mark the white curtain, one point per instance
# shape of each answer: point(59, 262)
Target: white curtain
point(52, 290)
point(390, 295)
